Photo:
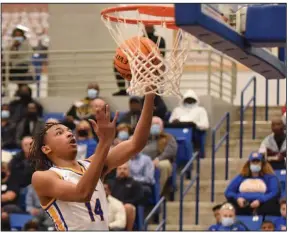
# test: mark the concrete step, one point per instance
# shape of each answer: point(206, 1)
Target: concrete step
point(175, 227)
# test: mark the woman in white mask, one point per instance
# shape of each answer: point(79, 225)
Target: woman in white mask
point(256, 189)
point(228, 219)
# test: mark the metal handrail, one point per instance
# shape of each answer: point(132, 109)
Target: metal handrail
point(183, 192)
point(215, 148)
point(243, 109)
point(162, 224)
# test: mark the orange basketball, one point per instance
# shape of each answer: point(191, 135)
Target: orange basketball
point(120, 60)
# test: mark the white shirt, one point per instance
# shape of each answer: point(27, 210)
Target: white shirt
point(116, 213)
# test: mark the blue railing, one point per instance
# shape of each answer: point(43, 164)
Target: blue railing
point(243, 109)
point(183, 192)
point(215, 148)
point(162, 202)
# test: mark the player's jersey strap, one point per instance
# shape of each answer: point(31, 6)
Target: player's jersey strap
point(55, 214)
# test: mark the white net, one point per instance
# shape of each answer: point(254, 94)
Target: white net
point(153, 72)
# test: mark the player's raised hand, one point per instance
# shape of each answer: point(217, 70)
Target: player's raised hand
point(104, 128)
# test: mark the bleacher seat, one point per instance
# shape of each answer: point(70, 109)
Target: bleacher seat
point(281, 175)
point(253, 223)
point(22, 198)
point(17, 221)
point(56, 115)
point(271, 218)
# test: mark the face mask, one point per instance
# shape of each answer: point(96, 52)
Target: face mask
point(155, 130)
point(82, 133)
point(5, 114)
point(255, 168)
point(187, 105)
point(19, 38)
point(3, 175)
point(123, 135)
point(226, 222)
point(92, 93)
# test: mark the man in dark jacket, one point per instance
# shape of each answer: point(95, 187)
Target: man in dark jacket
point(133, 115)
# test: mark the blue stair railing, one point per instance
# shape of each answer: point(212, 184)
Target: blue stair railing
point(183, 192)
point(162, 224)
point(215, 148)
point(243, 109)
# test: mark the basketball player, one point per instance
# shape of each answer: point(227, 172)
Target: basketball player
point(71, 191)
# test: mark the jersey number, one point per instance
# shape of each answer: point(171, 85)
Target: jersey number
point(97, 210)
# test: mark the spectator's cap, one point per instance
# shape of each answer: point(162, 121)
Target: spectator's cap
point(135, 99)
point(255, 156)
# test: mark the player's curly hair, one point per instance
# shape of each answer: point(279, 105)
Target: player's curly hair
point(37, 158)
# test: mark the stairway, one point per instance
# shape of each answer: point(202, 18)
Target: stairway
point(206, 218)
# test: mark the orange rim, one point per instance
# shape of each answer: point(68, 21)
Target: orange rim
point(153, 10)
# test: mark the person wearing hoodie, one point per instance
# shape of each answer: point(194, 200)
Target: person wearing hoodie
point(256, 189)
point(190, 111)
point(228, 219)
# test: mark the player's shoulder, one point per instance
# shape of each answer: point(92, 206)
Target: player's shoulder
point(42, 176)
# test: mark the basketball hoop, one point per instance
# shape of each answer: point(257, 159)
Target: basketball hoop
point(164, 78)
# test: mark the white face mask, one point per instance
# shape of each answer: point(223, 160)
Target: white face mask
point(226, 222)
point(19, 38)
point(92, 93)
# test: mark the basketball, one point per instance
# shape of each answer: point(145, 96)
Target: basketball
point(135, 44)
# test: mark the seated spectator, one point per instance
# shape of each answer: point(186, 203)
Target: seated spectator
point(30, 124)
point(18, 108)
point(190, 111)
point(20, 166)
point(34, 208)
point(142, 169)
point(128, 191)
point(216, 211)
point(274, 145)
point(81, 109)
point(133, 115)
point(281, 223)
point(32, 225)
point(256, 189)
point(8, 129)
point(123, 132)
point(10, 191)
point(228, 219)
point(162, 148)
point(160, 108)
point(267, 226)
point(116, 211)
point(85, 141)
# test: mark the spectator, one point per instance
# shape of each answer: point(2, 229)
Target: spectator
point(19, 165)
point(162, 148)
point(216, 211)
point(142, 170)
point(19, 62)
point(267, 226)
point(256, 189)
point(32, 225)
point(133, 115)
point(116, 211)
point(85, 141)
point(30, 124)
point(190, 111)
point(160, 108)
point(228, 219)
point(123, 131)
point(281, 223)
point(81, 109)
point(18, 108)
point(34, 208)
point(128, 191)
point(274, 145)
point(8, 129)
point(10, 191)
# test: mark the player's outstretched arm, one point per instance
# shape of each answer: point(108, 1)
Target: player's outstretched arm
point(48, 184)
point(125, 150)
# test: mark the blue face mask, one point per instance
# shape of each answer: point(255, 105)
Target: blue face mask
point(255, 168)
point(92, 93)
point(155, 130)
point(226, 222)
point(5, 114)
point(189, 105)
point(19, 38)
point(123, 135)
